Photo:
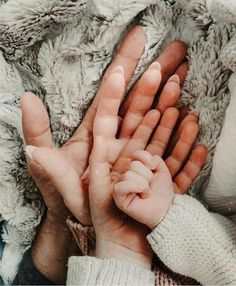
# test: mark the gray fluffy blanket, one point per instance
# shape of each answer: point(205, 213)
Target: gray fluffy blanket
point(59, 49)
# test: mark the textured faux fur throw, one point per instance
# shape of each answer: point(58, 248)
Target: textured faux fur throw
point(59, 49)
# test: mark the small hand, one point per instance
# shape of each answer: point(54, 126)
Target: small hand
point(145, 192)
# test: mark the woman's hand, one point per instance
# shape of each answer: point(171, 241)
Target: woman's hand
point(48, 165)
point(118, 236)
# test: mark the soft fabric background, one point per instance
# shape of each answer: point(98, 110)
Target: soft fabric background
point(59, 49)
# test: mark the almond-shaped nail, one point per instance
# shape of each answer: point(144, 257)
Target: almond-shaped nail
point(118, 69)
point(174, 78)
point(142, 187)
point(155, 66)
point(29, 151)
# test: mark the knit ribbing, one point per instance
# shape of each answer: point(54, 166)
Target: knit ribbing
point(93, 271)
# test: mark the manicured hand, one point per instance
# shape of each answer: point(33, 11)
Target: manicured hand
point(48, 165)
point(59, 171)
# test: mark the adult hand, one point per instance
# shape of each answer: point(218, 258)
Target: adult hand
point(48, 165)
point(54, 243)
point(36, 129)
point(116, 235)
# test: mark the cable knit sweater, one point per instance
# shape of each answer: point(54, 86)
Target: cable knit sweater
point(190, 240)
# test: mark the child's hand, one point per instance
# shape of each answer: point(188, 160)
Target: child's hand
point(145, 191)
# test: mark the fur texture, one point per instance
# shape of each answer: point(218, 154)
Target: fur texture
point(59, 49)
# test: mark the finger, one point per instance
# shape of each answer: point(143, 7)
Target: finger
point(183, 147)
point(124, 188)
point(35, 121)
point(125, 191)
point(192, 116)
point(171, 58)
point(100, 185)
point(106, 119)
point(127, 56)
point(135, 177)
point(139, 141)
point(191, 170)
point(141, 169)
point(163, 133)
point(143, 97)
point(144, 157)
point(64, 177)
point(170, 94)
point(182, 72)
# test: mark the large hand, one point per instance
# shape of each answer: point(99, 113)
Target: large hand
point(110, 225)
point(48, 165)
point(74, 154)
point(116, 237)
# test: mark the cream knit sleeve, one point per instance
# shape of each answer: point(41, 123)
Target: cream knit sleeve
point(94, 271)
point(193, 242)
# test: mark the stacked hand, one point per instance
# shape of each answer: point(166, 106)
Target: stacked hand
point(62, 174)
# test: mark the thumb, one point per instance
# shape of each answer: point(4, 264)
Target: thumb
point(63, 177)
point(100, 184)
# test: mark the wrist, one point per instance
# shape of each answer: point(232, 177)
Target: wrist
point(106, 249)
point(54, 222)
point(165, 207)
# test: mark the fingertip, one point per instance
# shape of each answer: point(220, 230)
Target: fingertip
point(182, 72)
point(119, 69)
point(139, 33)
point(29, 151)
point(134, 43)
point(174, 78)
point(200, 153)
point(144, 157)
point(156, 162)
point(179, 46)
point(155, 66)
point(116, 81)
point(28, 94)
point(27, 97)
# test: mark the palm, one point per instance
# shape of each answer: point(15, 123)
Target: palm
point(109, 222)
point(51, 164)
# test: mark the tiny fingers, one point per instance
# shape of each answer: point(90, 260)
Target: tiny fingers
point(135, 177)
point(124, 188)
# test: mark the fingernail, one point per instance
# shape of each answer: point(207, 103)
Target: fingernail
point(194, 112)
point(29, 150)
point(174, 78)
point(118, 69)
point(155, 66)
point(142, 188)
point(154, 163)
point(144, 195)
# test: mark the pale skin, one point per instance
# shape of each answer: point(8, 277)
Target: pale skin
point(118, 236)
point(74, 154)
point(148, 201)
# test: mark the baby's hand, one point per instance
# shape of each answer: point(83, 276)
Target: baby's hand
point(145, 191)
